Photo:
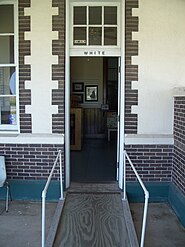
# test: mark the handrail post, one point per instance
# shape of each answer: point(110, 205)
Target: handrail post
point(61, 182)
point(43, 217)
point(145, 192)
point(124, 176)
point(144, 219)
point(44, 192)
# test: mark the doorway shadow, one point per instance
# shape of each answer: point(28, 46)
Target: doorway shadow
point(96, 162)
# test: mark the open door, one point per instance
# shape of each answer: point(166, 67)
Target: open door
point(118, 134)
point(120, 137)
point(93, 122)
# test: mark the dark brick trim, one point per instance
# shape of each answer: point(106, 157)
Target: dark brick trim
point(24, 70)
point(131, 70)
point(178, 175)
point(58, 71)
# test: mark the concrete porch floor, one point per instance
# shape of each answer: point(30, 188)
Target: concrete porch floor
point(21, 226)
point(163, 227)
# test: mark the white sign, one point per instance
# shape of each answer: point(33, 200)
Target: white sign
point(94, 53)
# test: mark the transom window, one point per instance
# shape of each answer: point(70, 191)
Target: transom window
point(8, 68)
point(95, 25)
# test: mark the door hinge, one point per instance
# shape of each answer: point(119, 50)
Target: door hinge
point(118, 118)
point(119, 69)
point(117, 172)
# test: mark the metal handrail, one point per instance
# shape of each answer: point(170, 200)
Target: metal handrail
point(44, 192)
point(145, 192)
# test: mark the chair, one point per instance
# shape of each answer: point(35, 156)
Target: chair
point(3, 181)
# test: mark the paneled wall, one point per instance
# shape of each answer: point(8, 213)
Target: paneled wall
point(94, 122)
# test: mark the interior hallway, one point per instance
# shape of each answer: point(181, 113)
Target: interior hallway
point(96, 162)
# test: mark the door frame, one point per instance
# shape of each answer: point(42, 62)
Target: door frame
point(67, 98)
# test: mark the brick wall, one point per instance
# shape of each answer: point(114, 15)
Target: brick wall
point(153, 162)
point(58, 71)
point(30, 161)
point(34, 161)
point(131, 70)
point(178, 175)
point(24, 70)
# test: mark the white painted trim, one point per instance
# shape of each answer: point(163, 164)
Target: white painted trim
point(8, 127)
point(139, 139)
point(122, 100)
point(179, 91)
point(95, 1)
point(112, 52)
point(67, 98)
point(95, 52)
point(8, 1)
point(107, 50)
point(16, 23)
point(32, 139)
point(118, 134)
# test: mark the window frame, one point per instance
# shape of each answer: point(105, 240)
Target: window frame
point(12, 127)
point(95, 4)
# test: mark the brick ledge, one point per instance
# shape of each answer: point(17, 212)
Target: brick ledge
point(179, 91)
point(149, 139)
point(32, 139)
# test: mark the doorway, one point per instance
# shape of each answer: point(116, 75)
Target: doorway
point(93, 118)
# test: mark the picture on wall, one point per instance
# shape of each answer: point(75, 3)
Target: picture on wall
point(91, 93)
point(78, 87)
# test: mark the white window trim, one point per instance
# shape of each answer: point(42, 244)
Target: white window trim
point(112, 50)
point(8, 128)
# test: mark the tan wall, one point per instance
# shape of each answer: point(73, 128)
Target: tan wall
point(89, 71)
point(161, 63)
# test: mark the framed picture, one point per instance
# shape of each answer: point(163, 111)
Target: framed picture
point(78, 87)
point(91, 93)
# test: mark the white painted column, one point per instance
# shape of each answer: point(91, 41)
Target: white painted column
point(41, 61)
point(122, 101)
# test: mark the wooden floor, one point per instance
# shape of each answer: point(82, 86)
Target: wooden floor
point(91, 219)
point(94, 187)
point(96, 162)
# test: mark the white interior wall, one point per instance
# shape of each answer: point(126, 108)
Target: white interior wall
point(161, 63)
point(90, 71)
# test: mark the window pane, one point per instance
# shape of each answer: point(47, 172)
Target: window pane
point(110, 36)
point(95, 36)
point(6, 19)
point(8, 110)
point(95, 15)
point(7, 81)
point(80, 16)
point(110, 15)
point(6, 49)
point(80, 36)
